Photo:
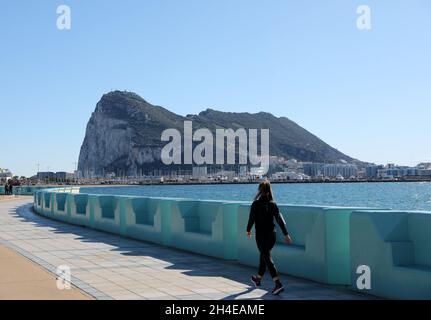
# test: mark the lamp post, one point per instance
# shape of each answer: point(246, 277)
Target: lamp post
point(38, 170)
point(76, 172)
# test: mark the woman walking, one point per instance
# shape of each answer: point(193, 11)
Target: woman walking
point(262, 214)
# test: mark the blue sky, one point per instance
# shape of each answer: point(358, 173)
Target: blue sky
point(367, 93)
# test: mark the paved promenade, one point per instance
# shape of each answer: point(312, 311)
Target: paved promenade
point(21, 279)
point(6, 198)
point(106, 266)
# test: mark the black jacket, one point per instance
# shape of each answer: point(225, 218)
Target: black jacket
point(263, 213)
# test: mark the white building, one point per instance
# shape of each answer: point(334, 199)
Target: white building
point(199, 172)
point(345, 170)
point(289, 175)
point(424, 172)
point(258, 171)
point(243, 171)
point(226, 174)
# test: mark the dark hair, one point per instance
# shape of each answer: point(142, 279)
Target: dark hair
point(264, 191)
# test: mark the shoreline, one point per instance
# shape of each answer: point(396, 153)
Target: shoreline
point(221, 183)
point(242, 182)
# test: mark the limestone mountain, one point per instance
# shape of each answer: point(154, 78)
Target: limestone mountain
point(123, 135)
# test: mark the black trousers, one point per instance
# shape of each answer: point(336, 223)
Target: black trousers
point(265, 242)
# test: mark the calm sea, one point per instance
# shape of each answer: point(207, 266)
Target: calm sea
point(398, 196)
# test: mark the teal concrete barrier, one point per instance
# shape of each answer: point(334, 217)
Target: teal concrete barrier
point(203, 222)
point(107, 213)
point(26, 190)
point(329, 242)
point(47, 203)
point(59, 206)
point(80, 210)
point(143, 219)
point(39, 199)
point(396, 246)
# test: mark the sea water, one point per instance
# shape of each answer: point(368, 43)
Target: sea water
point(389, 195)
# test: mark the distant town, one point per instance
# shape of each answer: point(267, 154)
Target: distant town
point(281, 170)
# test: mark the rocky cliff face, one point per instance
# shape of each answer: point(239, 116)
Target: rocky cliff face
point(123, 135)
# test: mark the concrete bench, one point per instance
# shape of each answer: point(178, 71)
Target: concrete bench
point(144, 219)
point(80, 210)
point(198, 226)
point(107, 214)
point(396, 246)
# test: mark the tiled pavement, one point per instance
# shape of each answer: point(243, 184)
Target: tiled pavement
point(111, 267)
point(21, 279)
